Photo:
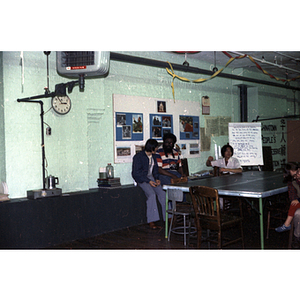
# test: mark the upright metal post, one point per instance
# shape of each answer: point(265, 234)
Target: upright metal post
point(42, 128)
point(43, 142)
point(243, 103)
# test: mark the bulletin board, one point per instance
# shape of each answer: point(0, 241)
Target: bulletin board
point(136, 119)
point(245, 138)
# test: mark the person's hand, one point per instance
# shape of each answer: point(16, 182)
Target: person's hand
point(294, 202)
point(210, 158)
point(157, 181)
point(152, 183)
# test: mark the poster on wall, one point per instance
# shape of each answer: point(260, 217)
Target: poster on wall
point(160, 125)
point(245, 138)
point(129, 126)
point(189, 127)
point(136, 119)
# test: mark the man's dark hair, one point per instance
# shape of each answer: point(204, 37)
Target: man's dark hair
point(170, 135)
point(223, 149)
point(150, 145)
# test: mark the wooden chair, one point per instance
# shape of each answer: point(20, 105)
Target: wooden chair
point(185, 166)
point(208, 216)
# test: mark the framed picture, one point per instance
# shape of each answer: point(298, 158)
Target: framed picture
point(189, 127)
point(129, 126)
point(159, 125)
point(161, 107)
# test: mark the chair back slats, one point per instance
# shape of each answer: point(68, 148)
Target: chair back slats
point(206, 201)
point(207, 214)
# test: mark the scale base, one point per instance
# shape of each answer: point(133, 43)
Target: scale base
point(34, 194)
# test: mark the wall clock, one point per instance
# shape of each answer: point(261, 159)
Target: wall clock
point(61, 104)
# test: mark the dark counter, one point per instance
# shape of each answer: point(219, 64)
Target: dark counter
point(40, 223)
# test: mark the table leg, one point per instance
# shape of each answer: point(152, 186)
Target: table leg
point(167, 216)
point(261, 224)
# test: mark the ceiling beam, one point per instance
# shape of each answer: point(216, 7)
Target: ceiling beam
point(163, 64)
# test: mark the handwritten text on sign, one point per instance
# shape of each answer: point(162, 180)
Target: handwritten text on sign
point(245, 138)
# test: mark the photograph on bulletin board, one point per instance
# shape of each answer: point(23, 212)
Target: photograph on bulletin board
point(161, 106)
point(137, 123)
point(189, 127)
point(123, 154)
point(160, 125)
point(129, 126)
point(194, 149)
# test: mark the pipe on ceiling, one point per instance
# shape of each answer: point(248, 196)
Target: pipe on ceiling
point(162, 64)
point(288, 56)
point(267, 62)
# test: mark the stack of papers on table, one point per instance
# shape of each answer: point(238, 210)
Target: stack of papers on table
point(199, 174)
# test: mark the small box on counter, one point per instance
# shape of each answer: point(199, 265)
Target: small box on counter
point(108, 182)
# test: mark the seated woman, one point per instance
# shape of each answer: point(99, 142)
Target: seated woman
point(145, 173)
point(227, 163)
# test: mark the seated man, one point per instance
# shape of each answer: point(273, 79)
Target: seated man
point(145, 173)
point(168, 160)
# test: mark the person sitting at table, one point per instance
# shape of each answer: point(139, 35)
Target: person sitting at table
point(227, 163)
point(168, 160)
point(293, 180)
point(145, 173)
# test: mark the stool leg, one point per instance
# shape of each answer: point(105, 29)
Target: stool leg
point(189, 234)
point(184, 231)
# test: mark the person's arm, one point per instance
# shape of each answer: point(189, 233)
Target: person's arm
point(209, 160)
point(296, 186)
point(226, 170)
point(292, 192)
point(235, 166)
point(180, 171)
point(166, 173)
point(139, 172)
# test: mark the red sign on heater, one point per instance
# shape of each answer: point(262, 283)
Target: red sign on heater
point(76, 68)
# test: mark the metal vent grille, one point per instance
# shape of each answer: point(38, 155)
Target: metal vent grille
point(82, 63)
point(77, 58)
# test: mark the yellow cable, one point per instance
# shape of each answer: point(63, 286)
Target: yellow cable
point(200, 80)
point(172, 73)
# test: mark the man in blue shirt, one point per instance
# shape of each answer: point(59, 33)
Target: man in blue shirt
point(145, 173)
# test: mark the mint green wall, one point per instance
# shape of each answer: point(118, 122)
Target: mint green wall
point(82, 140)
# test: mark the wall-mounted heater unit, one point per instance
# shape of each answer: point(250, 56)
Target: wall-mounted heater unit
point(82, 63)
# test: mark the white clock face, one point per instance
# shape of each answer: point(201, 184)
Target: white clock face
point(61, 104)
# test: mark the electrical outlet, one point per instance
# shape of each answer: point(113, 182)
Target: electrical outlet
point(48, 130)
